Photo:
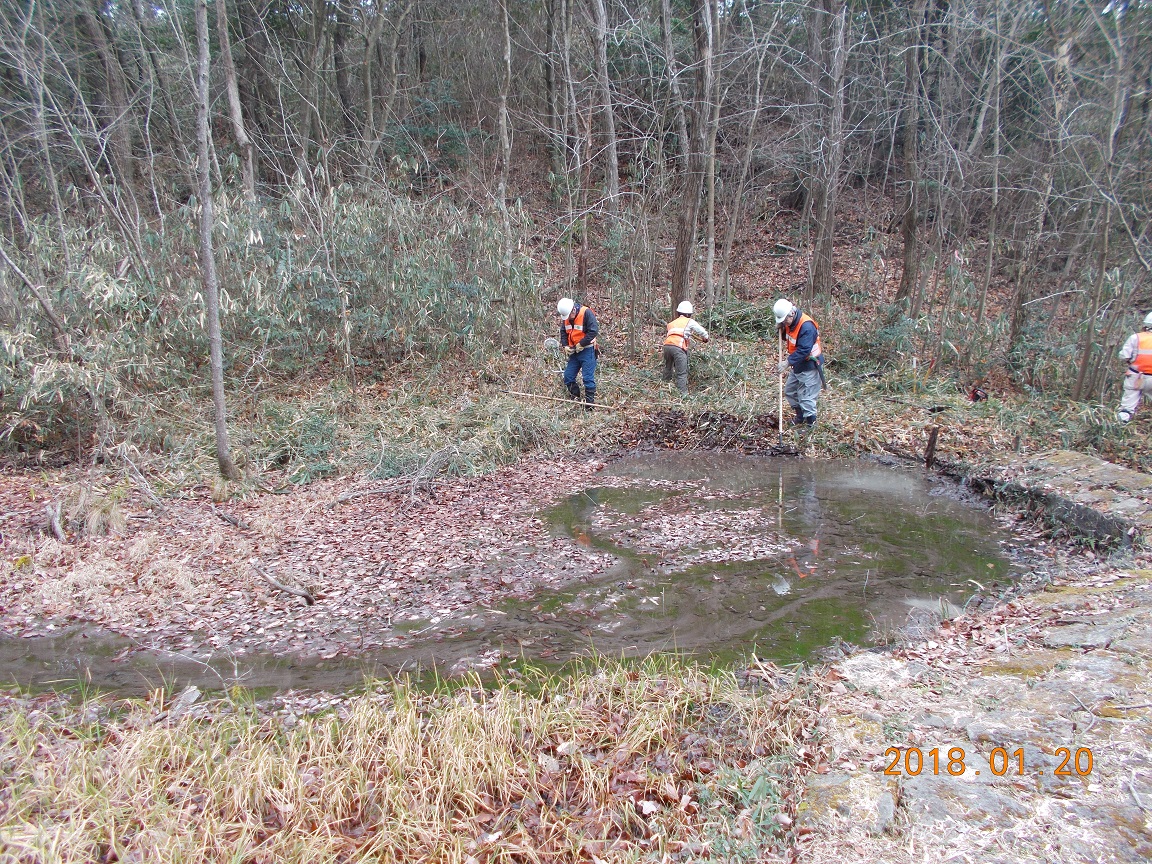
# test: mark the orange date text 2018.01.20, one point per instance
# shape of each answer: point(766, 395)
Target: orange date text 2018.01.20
point(1001, 762)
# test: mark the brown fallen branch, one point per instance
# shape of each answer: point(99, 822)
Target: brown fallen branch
point(52, 511)
point(295, 592)
point(232, 520)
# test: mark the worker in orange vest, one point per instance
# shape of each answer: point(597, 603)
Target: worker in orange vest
point(1137, 351)
point(805, 363)
point(676, 342)
point(578, 331)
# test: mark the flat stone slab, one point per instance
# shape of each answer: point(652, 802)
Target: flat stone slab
point(1095, 496)
point(939, 798)
point(1083, 635)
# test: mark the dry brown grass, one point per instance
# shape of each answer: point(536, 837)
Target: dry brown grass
point(616, 764)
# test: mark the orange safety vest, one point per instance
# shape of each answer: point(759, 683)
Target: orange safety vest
point(1142, 362)
point(574, 327)
point(793, 332)
point(677, 333)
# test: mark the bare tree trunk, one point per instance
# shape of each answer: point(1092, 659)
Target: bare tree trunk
point(247, 151)
point(607, 112)
point(674, 81)
point(32, 77)
point(378, 131)
point(910, 278)
point(995, 171)
point(693, 175)
point(710, 167)
point(207, 254)
point(1119, 108)
point(745, 162)
point(506, 160)
point(551, 89)
point(832, 151)
point(340, 70)
point(119, 119)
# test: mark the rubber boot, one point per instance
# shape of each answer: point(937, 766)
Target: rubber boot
point(574, 391)
point(589, 399)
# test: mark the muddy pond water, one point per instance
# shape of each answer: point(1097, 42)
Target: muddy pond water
point(714, 556)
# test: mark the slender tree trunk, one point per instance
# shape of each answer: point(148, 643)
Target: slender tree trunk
point(607, 112)
point(553, 96)
point(995, 173)
point(119, 119)
point(32, 77)
point(693, 176)
point(389, 107)
point(833, 153)
point(1105, 182)
point(207, 254)
point(340, 68)
point(909, 224)
point(247, 151)
point(674, 83)
point(506, 160)
point(1094, 308)
point(710, 166)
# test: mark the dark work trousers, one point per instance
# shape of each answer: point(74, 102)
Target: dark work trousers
point(581, 363)
point(676, 362)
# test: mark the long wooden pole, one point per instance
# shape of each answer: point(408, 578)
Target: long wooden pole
point(780, 382)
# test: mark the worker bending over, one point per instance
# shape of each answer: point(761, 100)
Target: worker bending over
point(805, 360)
point(680, 331)
point(578, 330)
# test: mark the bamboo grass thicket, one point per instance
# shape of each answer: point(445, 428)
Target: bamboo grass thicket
point(618, 761)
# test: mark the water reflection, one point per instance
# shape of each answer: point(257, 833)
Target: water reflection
point(716, 556)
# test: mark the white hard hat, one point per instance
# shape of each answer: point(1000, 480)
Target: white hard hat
point(565, 306)
point(781, 310)
point(1148, 321)
point(685, 308)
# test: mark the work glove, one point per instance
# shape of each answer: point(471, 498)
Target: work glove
point(569, 350)
point(783, 367)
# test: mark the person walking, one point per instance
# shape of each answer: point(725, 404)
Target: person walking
point(805, 362)
point(1137, 352)
point(578, 331)
point(680, 333)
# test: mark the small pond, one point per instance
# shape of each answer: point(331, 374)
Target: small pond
point(714, 555)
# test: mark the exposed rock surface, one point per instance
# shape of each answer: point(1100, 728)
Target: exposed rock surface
point(1094, 498)
point(942, 727)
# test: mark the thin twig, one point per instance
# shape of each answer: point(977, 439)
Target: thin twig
point(1136, 797)
point(1091, 713)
